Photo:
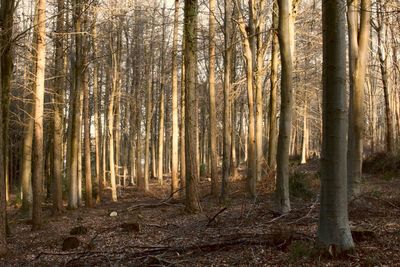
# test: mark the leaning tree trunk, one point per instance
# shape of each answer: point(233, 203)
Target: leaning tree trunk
point(358, 58)
point(286, 40)
point(38, 172)
point(333, 229)
point(191, 124)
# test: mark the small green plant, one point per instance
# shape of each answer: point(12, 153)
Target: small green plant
point(299, 250)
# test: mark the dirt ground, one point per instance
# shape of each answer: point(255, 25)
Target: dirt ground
point(150, 231)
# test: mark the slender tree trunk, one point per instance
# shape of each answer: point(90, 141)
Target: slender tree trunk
point(333, 229)
point(87, 141)
point(304, 143)
point(59, 83)
point(182, 126)
point(251, 149)
point(213, 112)
point(227, 143)
point(272, 147)
point(385, 79)
point(285, 122)
point(175, 125)
point(191, 123)
point(97, 118)
point(38, 148)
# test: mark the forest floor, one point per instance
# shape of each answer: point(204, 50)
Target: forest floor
point(151, 230)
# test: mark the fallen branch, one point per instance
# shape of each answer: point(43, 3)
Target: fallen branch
point(215, 216)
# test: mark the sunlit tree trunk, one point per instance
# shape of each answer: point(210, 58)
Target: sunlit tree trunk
point(38, 171)
point(272, 147)
point(286, 40)
point(358, 56)
point(175, 125)
point(333, 229)
point(212, 111)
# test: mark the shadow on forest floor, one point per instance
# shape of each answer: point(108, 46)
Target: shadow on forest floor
point(149, 231)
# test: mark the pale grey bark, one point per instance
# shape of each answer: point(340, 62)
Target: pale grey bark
point(333, 229)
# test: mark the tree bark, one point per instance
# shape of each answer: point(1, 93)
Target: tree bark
point(191, 124)
point(358, 58)
point(38, 148)
point(227, 141)
point(272, 147)
point(286, 39)
point(175, 126)
point(333, 229)
point(213, 112)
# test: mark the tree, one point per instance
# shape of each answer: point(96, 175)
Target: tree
point(251, 152)
point(59, 84)
point(75, 120)
point(175, 125)
point(286, 40)
point(6, 68)
point(213, 112)
point(272, 115)
point(333, 228)
point(38, 172)
point(227, 135)
point(358, 58)
point(191, 124)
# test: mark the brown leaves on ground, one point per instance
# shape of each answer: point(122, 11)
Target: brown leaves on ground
point(150, 231)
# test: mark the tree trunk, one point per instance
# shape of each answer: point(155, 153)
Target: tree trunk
point(272, 147)
point(72, 162)
point(385, 78)
point(251, 149)
point(286, 39)
point(87, 142)
point(227, 143)
point(175, 126)
point(191, 110)
point(38, 148)
point(333, 229)
point(59, 84)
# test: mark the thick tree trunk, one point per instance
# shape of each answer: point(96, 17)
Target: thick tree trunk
point(334, 230)
point(286, 40)
point(191, 110)
point(175, 125)
point(72, 162)
point(38, 148)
